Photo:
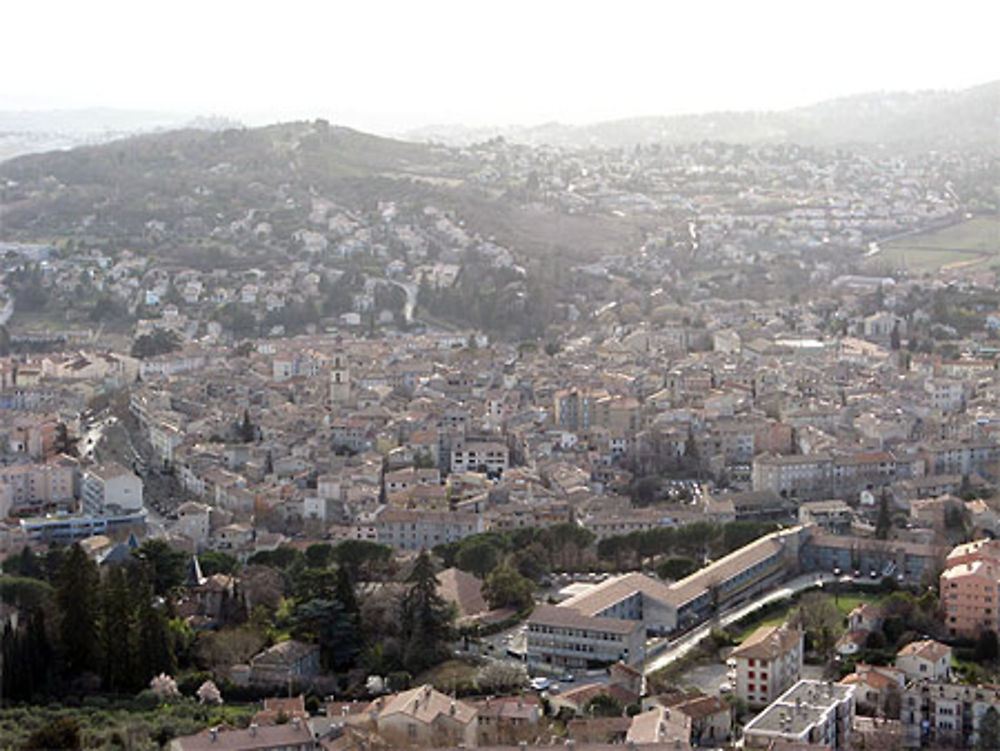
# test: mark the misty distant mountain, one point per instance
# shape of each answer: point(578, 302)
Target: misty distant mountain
point(927, 119)
point(30, 132)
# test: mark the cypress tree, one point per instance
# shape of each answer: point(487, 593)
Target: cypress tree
point(78, 596)
point(154, 649)
point(427, 617)
point(117, 625)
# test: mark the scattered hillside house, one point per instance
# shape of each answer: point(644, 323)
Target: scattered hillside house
point(867, 616)
point(878, 689)
point(424, 717)
point(286, 663)
point(708, 719)
point(279, 709)
point(576, 699)
point(925, 660)
point(506, 720)
point(660, 725)
point(851, 642)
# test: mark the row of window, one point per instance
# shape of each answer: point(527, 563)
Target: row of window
point(569, 632)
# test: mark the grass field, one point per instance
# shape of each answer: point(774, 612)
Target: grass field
point(845, 604)
point(450, 675)
point(972, 243)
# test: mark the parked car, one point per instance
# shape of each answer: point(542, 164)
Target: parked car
point(540, 683)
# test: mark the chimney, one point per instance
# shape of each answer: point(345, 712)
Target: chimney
point(452, 708)
point(571, 744)
point(522, 745)
point(213, 734)
point(253, 729)
point(297, 722)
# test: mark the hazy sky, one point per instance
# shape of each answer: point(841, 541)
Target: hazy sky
point(397, 64)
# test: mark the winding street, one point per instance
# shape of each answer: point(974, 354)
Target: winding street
point(684, 644)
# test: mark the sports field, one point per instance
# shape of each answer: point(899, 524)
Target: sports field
point(974, 243)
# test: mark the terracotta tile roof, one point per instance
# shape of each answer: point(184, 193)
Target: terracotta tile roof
point(551, 615)
point(580, 695)
point(291, 734)
point(926, 649)
point(696, 584)
point(602, 596)
point(769, 642)
point(464, 589)
point(425, 705)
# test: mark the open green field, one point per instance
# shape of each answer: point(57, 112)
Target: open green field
point(845, 604)
point(972, 243)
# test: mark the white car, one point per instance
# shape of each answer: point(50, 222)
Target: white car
point(540, 684)
point(725, 688)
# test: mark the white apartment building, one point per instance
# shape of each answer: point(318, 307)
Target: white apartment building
point(810, 713)
point(111, 486)
point(767, 663)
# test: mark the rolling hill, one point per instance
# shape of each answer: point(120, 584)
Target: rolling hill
point(928, 119)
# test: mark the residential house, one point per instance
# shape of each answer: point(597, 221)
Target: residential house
point(286, 663)
point(925, 660)
point(425, 717)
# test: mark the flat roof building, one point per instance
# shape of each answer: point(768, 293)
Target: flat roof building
point(810, 712)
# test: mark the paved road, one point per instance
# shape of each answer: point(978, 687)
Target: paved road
point(684, 644)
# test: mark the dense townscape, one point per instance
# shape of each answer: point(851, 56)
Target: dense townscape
point(311, 439)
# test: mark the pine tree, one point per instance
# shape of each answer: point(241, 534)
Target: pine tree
point(78, 595)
